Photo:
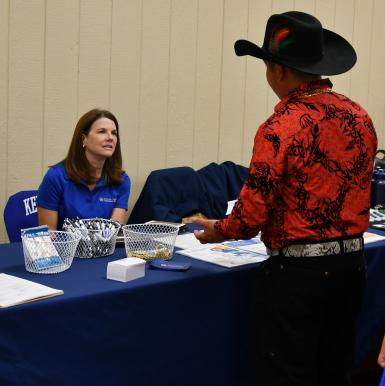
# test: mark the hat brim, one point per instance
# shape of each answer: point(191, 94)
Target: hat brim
point(338, 57)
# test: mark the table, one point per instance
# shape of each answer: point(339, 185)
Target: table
point(169, 328)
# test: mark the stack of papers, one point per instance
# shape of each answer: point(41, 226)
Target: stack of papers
point(227, 254)
point(126, 269)
point(14, 290)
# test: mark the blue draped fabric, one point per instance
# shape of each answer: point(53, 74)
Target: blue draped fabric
point(222, 183)
point(169, 195)
point(173, 193)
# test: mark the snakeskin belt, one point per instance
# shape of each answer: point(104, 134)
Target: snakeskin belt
point(320, 249)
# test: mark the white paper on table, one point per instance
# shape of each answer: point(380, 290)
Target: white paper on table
point(187, 241)
point(230, 206)
point(14, 290)
point(372, 237)
point(223, 255)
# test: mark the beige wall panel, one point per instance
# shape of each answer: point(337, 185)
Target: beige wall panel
point(325, 12)
point(362, 35)
point(26, 94)
point(233, 83)
point(376, 97)
point(279, 6)
point(305, 6)
point(61, 78)
point(125, 82)
point(256, 84)
point(94, 55)
point(4, 10)
point(154, 87)
point(343, 25)
point(181, 95)
point(208, 82)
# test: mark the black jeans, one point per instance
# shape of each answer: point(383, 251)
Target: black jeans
point(306, 309)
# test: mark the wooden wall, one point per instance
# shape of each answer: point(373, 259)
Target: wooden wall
point(168, 71)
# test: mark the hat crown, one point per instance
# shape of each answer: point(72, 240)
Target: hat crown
point(297, 40)
point(294, 35)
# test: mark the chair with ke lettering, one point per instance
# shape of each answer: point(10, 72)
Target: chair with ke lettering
point(20, 212)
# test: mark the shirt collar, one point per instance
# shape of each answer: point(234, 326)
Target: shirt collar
point(304, 88)
point(100, 183)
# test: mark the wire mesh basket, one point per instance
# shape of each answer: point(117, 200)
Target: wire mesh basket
point(150, 241)
point(50, 254)
point(97, 236)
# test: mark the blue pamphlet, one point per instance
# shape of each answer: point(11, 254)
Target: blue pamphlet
point(170, 266)
point(40, 248)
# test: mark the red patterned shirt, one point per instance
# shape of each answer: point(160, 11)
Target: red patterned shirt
point(310, 173)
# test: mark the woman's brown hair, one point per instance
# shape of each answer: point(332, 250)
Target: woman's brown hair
point(76, 164)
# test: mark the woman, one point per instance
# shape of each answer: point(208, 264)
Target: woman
point(90, 181)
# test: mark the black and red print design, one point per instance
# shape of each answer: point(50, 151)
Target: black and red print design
point(310, 173)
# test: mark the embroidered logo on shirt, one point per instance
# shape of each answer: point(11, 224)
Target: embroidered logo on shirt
point(107, 199)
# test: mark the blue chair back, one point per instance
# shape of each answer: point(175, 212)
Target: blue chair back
point(20, 212)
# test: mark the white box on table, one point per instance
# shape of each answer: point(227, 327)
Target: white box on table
point(126, 269)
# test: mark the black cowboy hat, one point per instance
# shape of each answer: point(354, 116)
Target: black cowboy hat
point(297, 40)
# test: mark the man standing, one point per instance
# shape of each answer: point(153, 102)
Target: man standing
point(308, 193)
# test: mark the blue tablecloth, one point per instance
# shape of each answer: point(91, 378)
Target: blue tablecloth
point(169, 328)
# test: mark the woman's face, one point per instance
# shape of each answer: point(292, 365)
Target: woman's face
point(101, 140)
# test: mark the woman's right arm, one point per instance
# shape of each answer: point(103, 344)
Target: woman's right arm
point(48, 217)
point(48, 199)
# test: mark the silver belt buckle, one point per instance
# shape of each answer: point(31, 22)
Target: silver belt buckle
point(353, 245)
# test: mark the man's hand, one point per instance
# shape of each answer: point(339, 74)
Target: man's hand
point(381, 356)
point(208, 234)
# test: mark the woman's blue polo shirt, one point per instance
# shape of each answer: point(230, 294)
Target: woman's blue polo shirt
point(57, 192)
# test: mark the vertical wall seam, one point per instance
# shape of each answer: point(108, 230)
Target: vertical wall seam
point(110, 69)
point(353, 24)
point(383, 126)
point(140, 92)
point(245, 88)
point(268, 87)
point(370, 54)
point(195, 83)
point(79, 50)
point(7, 107)
point(220, 82)
point(43, 123)
point(168, 84)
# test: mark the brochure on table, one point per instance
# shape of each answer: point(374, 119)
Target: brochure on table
point(227, 254)
point(39, 247)
point(14, 290)
point(235, 252)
